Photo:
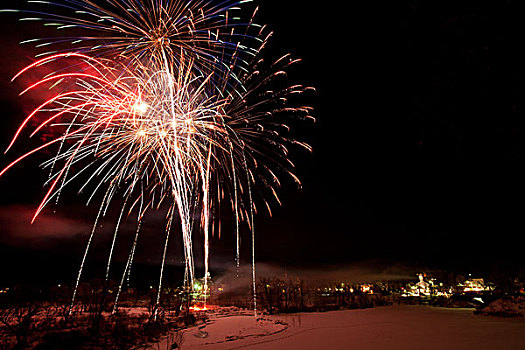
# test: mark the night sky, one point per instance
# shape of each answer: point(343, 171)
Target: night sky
point(418, 147)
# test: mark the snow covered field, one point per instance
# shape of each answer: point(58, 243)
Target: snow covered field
point(391, 327)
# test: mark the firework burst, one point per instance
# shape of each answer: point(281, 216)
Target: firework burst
point(161, 105)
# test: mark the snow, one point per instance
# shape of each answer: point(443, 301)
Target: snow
point(390, 327)
point(221, 331)
point(512, 306)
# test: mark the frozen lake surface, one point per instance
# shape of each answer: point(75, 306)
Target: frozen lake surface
point(391, 327)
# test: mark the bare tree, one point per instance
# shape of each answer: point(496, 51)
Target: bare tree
point(19, 321)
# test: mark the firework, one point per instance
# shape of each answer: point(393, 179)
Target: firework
point(163, 107)
point(211, 33)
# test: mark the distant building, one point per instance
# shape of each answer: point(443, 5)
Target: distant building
point(423, 286)
point(475, 285)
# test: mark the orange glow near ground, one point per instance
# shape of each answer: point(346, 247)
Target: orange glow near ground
point(201, 307)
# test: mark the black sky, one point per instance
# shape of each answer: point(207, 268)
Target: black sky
point(418, 149)
point(419, 142)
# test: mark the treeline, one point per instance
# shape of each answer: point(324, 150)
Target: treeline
point(44, 319)
point(281, 296)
